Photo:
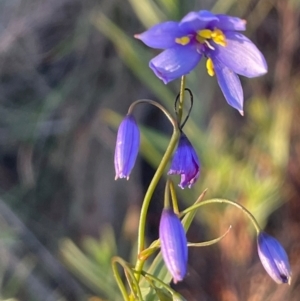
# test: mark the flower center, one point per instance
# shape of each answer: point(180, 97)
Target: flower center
point(204, 36)
point(217, 35)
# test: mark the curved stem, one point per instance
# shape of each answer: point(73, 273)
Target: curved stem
point(120, 283)
point(153, 103)
point(247, 212)
point(152, 186)
point(128, 271)
point(159, 172)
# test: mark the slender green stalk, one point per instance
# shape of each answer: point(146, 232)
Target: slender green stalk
point(181, 99)
point(153, 103)
point(117, 276)
point(158, 174)
point(167, 195)
point(212, 201)
point(128, 272)
point(174, 198)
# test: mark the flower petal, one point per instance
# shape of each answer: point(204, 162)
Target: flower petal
point(229, 23)
point(162, 36)
point(230, 85)
point(175, 62)
point(194, 21)
point(241, 56)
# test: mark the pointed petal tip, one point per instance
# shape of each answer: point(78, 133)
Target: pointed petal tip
point(137, 35)
point(241, 112)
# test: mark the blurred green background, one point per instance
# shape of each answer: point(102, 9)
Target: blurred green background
point(69, 69)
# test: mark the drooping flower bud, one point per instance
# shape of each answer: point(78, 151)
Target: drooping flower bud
point(173, 244)
point(127, 147)
point(274, 258)
point(185, 163)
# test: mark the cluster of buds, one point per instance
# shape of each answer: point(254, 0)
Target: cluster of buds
point(173, 240)
point(216, 38)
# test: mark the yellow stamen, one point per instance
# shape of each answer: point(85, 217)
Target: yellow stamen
point(183, 40)
point(205, 33)
point(218, 37)
point(210, 67)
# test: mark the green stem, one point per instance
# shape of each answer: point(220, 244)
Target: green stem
point(247, 212)
point(120, 283)
point(153, 103)
point(167, 195)
point(158, 174)
point(128, 271)
point(181, 99)
point(174, 198)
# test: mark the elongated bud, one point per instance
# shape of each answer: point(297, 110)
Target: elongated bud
point(173, 244)
point(185, 163)
point(127, 147)
point(274, 258)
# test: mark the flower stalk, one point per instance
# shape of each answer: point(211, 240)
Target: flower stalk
point(213, 201)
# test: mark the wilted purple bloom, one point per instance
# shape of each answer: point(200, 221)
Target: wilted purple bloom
point(210, 35)
point(274, 258)
point(185, 162)
point(127, 147)
point(173, 244)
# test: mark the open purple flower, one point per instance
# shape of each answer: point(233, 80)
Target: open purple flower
point(185, 162)
point(274, 258)
point(173, 244)
point(213, 36)
point(127, 147)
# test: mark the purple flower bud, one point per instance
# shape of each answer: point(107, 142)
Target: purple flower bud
point(127, 147)
point(185, 163)
point(273, 257)
point(173, 244)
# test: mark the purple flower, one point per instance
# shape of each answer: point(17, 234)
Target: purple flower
point(127, 147)
point(173, 244)
point(213, 36)
point(185, 163)
point(273, 257)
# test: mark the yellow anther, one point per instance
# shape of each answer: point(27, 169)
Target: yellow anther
point(205, 33)
point(218, 37)
point(210, 67)
point(183, 40)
